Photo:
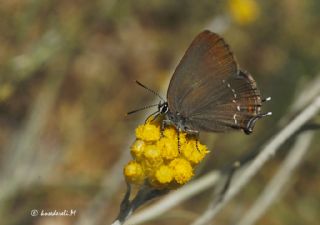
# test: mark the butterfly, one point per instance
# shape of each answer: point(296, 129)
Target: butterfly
point(209, 92)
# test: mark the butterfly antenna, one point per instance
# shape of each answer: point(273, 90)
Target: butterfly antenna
point(152, 91)
point(143, 108)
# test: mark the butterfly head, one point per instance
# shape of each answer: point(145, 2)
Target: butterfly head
point(163, 107)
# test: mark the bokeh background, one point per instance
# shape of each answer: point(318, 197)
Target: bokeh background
point(67, 72)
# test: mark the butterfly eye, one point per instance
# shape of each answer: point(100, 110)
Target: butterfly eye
point(164, 108)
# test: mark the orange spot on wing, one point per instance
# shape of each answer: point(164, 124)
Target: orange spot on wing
point(250, 109)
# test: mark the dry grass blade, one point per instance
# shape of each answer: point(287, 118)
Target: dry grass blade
point(276, 185)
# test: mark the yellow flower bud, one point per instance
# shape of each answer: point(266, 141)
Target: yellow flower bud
point(148, 132)
point(137, 149)
point(182, 170)
point(193, 154)
point(152, 158)
point(134, 173)
point(164, 174)
point(170, 132)
point(168, 148)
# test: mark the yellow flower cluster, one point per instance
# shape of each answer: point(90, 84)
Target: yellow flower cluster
point(244, 11)
point(157, 158)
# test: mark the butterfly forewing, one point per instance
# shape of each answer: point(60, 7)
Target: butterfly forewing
point(207, 59)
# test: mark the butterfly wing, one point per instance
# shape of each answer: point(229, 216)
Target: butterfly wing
point(209, 90)
point(236, 105)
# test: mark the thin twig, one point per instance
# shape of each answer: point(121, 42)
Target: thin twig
point(267, 152)
point(276, 185)
point(306, 95)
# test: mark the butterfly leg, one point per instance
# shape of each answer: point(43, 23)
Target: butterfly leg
point(197, 144)
point(179, 130)
point(165, 123)
point(195, 134)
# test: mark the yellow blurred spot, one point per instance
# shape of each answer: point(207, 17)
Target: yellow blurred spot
point(6, 90)
point(244, 11)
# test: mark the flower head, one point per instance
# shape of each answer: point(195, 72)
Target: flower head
point(158, 159)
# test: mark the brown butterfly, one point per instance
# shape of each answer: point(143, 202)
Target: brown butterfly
point(209, 92)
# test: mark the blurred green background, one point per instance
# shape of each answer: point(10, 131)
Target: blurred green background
point(67, 72)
